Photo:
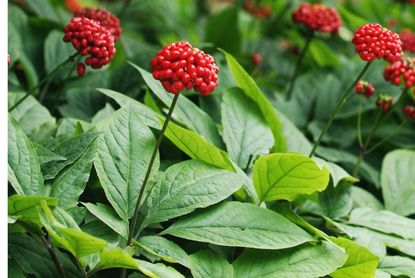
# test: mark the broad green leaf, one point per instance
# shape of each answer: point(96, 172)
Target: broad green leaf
point(398, 266)
point(382, 274)
point(306, 261)
point(30, 114)
point(323, 55)
point(116, 258)
point(197, 147)
point(124, 151)
point(14, 270)
point(71, 181)
point(185, 112)
point(56, 51)
point(373, 243)
point(251, 89)
point(45, 155)
point(44, 9)
point(337, 173)
point(285, 176)
point(147, 116)
point(35, 259)
point(398, 181)
point(26, 207)
point(383, 221)
point(158, 270)
point(101, 114)
point(360, 262)
point(107, 215)
point(187, 186)
point(294, 138)
point(23, 163)
point(336, 202)
point(363, 198)
point(209, 264)
point(239, 224)
point(163, 248)
point(244, 129)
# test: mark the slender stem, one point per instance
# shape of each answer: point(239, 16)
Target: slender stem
point(251, 156)
point(359, 124)
point(374, 129)
point(359, 161)
point(340, 104)
point(78, 264)
point(150, 166)
point(47, 77)
point(53, 256)
point(377, 145)
point(293, 78)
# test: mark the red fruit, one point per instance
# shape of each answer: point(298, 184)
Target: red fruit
point(359, 87)
point(384, 102)
point(92, 40)
point(179, 66)
point(408, 39)
point(317, 17)
point(256, 59)
point(256, 10)
point(372, 41)
point(80, 69)
point(104, 17)
point(402, 70)
point(370, 90)
point(409, 111)
point(364, 87)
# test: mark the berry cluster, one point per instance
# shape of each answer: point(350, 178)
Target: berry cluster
point(317, 17)
point(409, 111)
point(372, 41)
point(384, 102)
point(400, 71)
point(255, 10)
point(364, 87)
point(179, 66)
point(91, 39)
point(104, 17)
point(408, 40)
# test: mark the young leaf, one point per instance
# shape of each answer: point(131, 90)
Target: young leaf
point(124, 151)
point(398, 266)
point(24, 174)
point(398, 181)
point(187, 186)
point(360, 262)
point(245, 131)
point(239, 224)
point(158, 270)
point(116, 258)
point(285, 176)
point(251, 89)
point(26, 207)
point(209, 264)
point(306, 261)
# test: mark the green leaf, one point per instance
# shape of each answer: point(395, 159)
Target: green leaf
point(245, 131)
point(44, 9)
point(35, 259)
point(398, 181)
point(382, 274)
point(285, 176)
point(398, 266)
point(107, 215)
point(185, 112)
point(14, 270)
point(30, 114)
point(187, 186)
point(362, 198)
point(45, 155)
point(239, 224)
point(124, 151)
point(158, 270)
point(25, 207)
point(163, 248)
point(209, 264)
point(337, 173)
point(384, 221)
point(24, 168)
point(71, 181)
point(116, 258)
point(323, 55)
point(306, 261)
point(251, 89)
point(101, 114)
point(336, 202)
point(56, 51)
point(360, 263)
point(197, 147)
point(294, 138)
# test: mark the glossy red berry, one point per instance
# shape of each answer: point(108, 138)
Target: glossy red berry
point(256, 10)
point(317, 17)
point(80, 69)
point(372, 41)
point(409, 111)
point(92, 40)
point(256, 59)
point(401, 71)
point(104, 17)
point(384, 102)
point(364, 87)
point(408, 40)
point(179, 66)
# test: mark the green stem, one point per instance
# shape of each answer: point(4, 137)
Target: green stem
point(150, 166)
point(340, 104)
point(53, 256)
point(47, 77)
point(293, 78)
point(359, 125)
point(377, 145)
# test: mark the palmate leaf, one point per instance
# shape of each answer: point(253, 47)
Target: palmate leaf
point(239, 224)
point(209, 264)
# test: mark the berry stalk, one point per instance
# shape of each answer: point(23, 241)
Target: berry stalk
point(340, 104)
point(293, 78)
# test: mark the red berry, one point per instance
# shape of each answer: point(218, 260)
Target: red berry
point(359, 87)
point(364, 87)
point(372, 41)
point(401, 70)
point(317, 17)
point(256, 10)
point(409, 111)
point(384, 102)
point(179, 66)
point(408, 40)
point(80, 69)
point(104, 17)
point(256, 59)
point(370, 90)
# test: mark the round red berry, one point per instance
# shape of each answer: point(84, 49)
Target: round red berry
point(409, 111)
point(401, 71)
point(179, 66)
point(408, 40)
point(359, 87)
point(372, 41)
point(256, 59)
point(104, 17)
point(317, 17)
point(364, 87)
point(92, 40)
point(80, 69)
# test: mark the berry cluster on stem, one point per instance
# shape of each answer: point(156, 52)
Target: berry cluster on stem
point(317, 17)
